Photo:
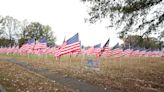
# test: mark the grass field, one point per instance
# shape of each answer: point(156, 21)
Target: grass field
point(128, 74)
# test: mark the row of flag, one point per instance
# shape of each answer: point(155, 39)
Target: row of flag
point(73, 46)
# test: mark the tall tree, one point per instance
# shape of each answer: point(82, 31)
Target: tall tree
point(143, 16)
point(1, 26)
point(37, 30)
point(133, 41)
point(9, 27)
point(6, 42)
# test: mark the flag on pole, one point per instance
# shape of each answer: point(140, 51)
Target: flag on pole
point(127, 52)
point(41, 46)
point(31, 45)
point(117, 51)
point(97, 46)
point(28, 46)
point(105, 47)
point(97, 49)
point(136, 52)
point(72, 45)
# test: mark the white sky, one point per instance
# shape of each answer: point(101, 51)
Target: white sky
point(66, 17)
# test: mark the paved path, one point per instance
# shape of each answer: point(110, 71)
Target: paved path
point(70, 82)
point(2, 89)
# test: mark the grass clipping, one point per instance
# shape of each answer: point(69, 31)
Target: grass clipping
point(17, 79)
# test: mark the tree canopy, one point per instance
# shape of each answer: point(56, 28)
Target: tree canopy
point(37, 30)
point(136, 41)
point(131, 16)
point(9, 27)
point(12, 29)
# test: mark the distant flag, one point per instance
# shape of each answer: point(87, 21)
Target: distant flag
point(136, 51)
point(89, 51)
point(127, 52)
point(28, 46)
point(105, 47)
point(116, 51)
point(97, 46)
point(31, 41)
point(97, 49)
point(93, 50)
point(41, 44)
point(73, 39)
point(115, 46)
point(106, 44)
point(72, 45)
point(43, 40)
point(149, 52)
point(142, 52)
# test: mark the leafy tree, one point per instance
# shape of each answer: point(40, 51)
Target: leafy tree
point(9, 28)
point(49, 35)
point(133, 41)
point(37, 30)
point(161, 36)
point(12, 29)
point(6, 42)
point(1, 26)
point(144, 16)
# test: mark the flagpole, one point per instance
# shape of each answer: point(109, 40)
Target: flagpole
point(58, 59)
point(83, 57)
point(70, 57)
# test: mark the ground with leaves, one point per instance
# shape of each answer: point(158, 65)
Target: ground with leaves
point(17, 79)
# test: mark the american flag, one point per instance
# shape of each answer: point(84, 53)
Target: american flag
point(41, 44)
point(89, 51)
point(142, 52)
point(28, 47)
point(72, 45)
point(136, 52)
point(116, 51)
point(147, 52)
point(105, 48)
point(97, 49)
point(107, 52)
point(97, 45)
point(127, 52)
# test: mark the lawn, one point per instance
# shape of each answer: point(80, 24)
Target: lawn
point(128, 74)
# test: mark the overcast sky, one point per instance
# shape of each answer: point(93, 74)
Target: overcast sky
point(66, 17)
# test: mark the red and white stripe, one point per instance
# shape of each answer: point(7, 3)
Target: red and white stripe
point(40, 46)
point(127, 52)
point(71, 48)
